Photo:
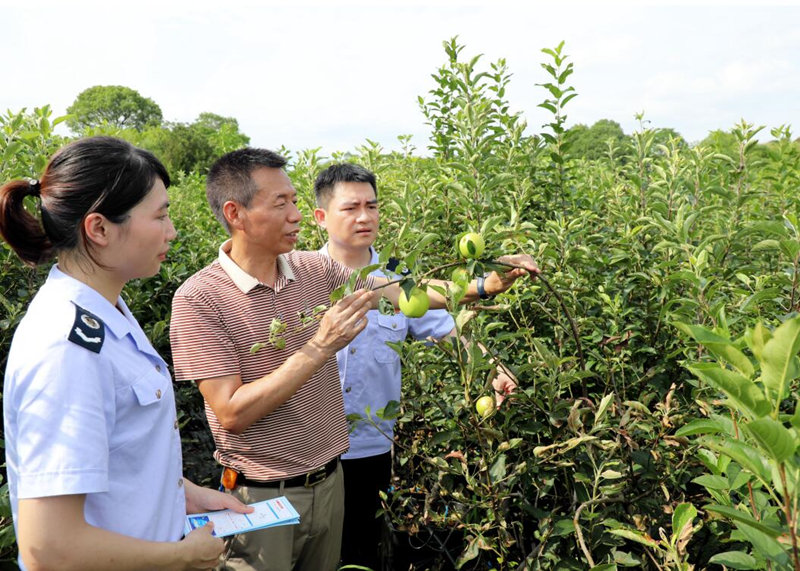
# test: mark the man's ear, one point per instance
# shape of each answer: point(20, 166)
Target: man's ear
point(97, 229)
point(319, 216)
point(232, 211)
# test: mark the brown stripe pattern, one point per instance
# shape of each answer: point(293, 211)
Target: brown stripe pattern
point(214, 325)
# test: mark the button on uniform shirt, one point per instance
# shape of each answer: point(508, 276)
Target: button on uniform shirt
point(94, 415)
point(369, 369)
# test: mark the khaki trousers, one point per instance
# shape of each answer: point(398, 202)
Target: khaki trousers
point(312, 545)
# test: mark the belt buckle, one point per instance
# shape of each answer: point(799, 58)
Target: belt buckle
point(315, 477)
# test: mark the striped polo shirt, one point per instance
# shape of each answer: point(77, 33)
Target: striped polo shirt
point(219, 314)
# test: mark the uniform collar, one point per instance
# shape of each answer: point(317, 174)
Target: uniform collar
point(120, 323)
point(374, 258)
point(244, 281)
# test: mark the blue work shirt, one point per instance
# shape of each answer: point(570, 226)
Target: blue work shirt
point(369, 369)
point(92, 412)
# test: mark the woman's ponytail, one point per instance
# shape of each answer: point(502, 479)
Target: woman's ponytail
point(21, 229)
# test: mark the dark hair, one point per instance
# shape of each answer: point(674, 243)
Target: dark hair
point(98, 174)
point(229, 178)
point(336, 173)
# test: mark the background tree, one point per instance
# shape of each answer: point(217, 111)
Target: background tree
point(113, 105)
point(192, 147)
point(592, 142)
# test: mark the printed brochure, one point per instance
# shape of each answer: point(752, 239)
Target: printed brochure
point(269, 513)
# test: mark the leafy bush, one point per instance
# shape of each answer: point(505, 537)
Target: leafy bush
point(590, 463)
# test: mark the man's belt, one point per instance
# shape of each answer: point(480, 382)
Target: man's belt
point(308, 480)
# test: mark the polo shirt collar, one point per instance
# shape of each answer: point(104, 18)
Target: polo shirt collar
point(244, 281)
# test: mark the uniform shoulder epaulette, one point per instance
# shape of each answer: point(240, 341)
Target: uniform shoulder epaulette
point(88, 331)
point(391, 265)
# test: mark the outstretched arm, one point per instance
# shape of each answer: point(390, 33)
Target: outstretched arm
point(494, 283)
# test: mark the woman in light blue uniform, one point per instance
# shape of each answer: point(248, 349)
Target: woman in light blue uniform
point(92, 444)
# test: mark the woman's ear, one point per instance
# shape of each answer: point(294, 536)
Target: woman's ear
point(97, 229)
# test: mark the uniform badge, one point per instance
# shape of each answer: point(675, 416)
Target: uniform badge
point(88, 331)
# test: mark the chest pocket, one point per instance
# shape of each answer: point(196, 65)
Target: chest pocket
point(390, 328)
point(150, 388)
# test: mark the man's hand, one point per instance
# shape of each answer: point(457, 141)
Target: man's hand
point(503, 385)
point(200, 499)
point(343, 322)
point(498, 283)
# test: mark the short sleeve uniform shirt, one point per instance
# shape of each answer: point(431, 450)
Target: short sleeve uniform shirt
point(89, 409)
point(369, 369)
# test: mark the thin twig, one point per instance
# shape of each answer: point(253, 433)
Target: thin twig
point(576, 522)
point(572, 323)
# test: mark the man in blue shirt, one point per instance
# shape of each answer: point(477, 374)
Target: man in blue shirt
point(347, 208)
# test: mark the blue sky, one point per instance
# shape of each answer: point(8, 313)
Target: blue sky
point(333, 74)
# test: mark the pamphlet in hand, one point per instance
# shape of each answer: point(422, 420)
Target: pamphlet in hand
point(269, 513)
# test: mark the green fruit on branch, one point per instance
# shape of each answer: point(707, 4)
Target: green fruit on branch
point(471, 245)
point(485, 406)
point(416, 305)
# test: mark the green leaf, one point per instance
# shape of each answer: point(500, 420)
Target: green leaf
point(602, 408)
point(766, 245)
point(720, 347)
point(779, 362)
point(743, 454)
point(637, 536)
point(463, 317)
point(791, 248)
point(744, 518)
point(390, 412)
point(765, 546)
point(626, 559)
point(735, 560)
point(756, 338)
point(700, 426)
point(713, 482)
point(498, 469)
point(745, 395)
point(683, 516)
point(773, 437)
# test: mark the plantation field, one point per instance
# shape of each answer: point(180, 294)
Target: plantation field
point(656, 422)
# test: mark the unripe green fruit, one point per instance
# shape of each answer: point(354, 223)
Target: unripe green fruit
point(471, 245)
point(485, 406)
point(416, 305)
point(460, 275)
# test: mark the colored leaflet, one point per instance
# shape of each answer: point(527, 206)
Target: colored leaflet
point(269, 513)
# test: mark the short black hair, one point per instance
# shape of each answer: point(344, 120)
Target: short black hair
point(230, 178)
point(340, 172)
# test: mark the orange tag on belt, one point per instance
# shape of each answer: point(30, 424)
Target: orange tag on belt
point(228, 479)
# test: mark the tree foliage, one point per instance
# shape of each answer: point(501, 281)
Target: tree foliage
point(593, 142)
point(113, 105)
point(594, 462)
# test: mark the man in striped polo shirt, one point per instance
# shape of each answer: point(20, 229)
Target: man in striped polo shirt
point(277, 414)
